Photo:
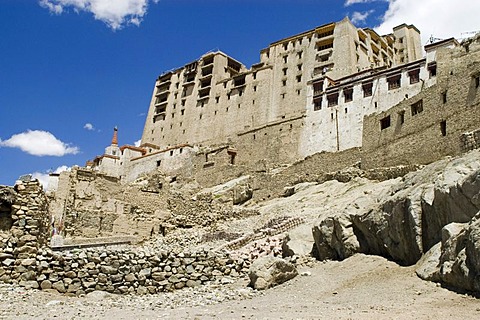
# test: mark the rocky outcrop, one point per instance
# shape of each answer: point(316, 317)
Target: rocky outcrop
point(267, 272)
point(433, 205)
point(455, 261)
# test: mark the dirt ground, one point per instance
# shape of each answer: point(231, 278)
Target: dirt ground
point(361, 287)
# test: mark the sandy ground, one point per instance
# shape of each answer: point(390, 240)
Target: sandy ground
point(361, 287)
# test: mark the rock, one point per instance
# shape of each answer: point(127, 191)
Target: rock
point(335, 239)
point(31, 284)
point(29, 275)
point(108, 269)
point(8, 262)
point(299, 241)
point(99, 295)
point(288, 191)
point(427, 268)
point(59, 286)
point(46, 284)
point(268, 271)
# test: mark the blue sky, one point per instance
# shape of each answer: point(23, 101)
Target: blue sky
point(71, 70)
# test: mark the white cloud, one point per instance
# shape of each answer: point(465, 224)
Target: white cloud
point(115, 13)
point(359, 17)
point(44, 177)
point(440, 18)
point(39, 143)
point(89, 126)
point(350, 2)
point(137, 143)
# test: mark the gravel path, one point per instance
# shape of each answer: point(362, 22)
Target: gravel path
point(361, 287)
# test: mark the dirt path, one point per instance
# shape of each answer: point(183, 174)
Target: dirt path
point(362, 287)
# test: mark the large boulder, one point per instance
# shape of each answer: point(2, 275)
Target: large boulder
point(335, 239)
point(267, 272)
point(299, 241)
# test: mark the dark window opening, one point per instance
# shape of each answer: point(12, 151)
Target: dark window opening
point(394, 82)
point(285, 59)
point(385, 123)
point(417, 107)
point(317, 88)
point(239, 81)
point(317, 104)
point(284, 71)
point(401, 117)
point(367, 89)
point(348, 94)
point(414, 76)
point(443, 127)
point(332, 99)
point(299, 78)
point(171, 152)
point(444, 97)
point(477, 81)
point(432, 69)
point(159, 162)
point(254, 75)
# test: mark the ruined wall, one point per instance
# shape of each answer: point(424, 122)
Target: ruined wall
point(93, 205)
point(29, 231)
point(424, 133)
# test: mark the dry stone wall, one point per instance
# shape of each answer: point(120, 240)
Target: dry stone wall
point(26, 259)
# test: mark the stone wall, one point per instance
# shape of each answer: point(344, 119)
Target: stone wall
point(430, 125)
point(26, 259)
point(28, 233)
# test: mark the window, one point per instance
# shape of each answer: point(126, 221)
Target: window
point(284, 71)
point(414, 76)
point(477, 81)
point(299, 67)
point(401, 117)
point(254, 76)
point(255, 88)
point(284, 82)
point(417, 107)
point(367, 89)
point(332, 99)
point(300, 54)
point(317, 104)
point(159, 162)
point(171, 153)
point(394, 82)
point(348, 94)
point(285, 59)
point(432, 69)
point(183, 103)
point(299, 78)
point(385, 123)
point(217, 99)
point(183, 112)
point(285, 46)
point(443, 127)
point(444, 97)
point(317, 88)
point(283, 95)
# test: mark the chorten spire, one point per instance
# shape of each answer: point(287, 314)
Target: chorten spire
point(115, 136)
